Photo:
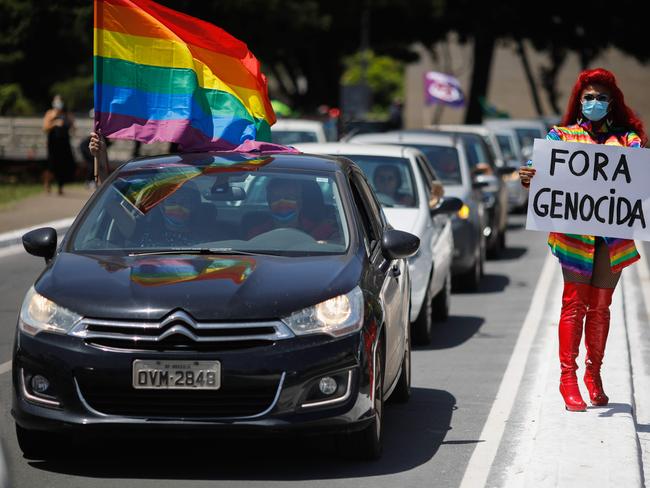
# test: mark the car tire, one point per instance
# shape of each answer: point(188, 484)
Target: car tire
point(422, 327)
point(37, 444)
point(442, 302)
point(471, 279)
point(402, 392)
point(367, 444)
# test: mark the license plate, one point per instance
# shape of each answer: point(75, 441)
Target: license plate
point(176, 375)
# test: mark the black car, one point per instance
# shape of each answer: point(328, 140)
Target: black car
point(217, 291)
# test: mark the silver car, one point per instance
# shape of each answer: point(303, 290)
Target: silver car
point(446, 155)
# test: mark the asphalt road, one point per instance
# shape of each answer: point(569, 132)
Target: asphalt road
point(428, 442)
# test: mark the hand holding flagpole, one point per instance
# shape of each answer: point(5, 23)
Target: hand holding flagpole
point(97, 147)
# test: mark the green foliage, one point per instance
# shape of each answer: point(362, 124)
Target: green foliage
point(77, 92)
point(13, 102)
point(385, 76)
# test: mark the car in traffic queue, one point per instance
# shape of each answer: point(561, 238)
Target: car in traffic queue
point(413, 200)
point(294, 131)
point(446, 155)
point(503, 152)
point(166, 306)
point(484, 167)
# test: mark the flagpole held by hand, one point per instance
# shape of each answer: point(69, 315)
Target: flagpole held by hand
point(97, 147)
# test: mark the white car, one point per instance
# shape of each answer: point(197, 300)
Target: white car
point(412, 201)
point(295, 131)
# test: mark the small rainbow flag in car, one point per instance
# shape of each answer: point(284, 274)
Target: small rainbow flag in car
point(161, 75)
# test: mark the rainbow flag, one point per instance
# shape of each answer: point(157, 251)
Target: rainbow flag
point(161, 75)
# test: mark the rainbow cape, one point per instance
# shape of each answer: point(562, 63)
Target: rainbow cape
point(161, 75)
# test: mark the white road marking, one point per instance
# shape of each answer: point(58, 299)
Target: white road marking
point(11, 250)
point(17, 234)
point(483, 456)
point(5, 367)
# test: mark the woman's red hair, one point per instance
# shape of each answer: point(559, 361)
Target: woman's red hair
point(620, 114)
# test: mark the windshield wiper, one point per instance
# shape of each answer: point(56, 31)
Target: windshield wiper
point(204, 251)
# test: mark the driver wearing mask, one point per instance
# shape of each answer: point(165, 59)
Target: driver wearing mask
point(285, 201)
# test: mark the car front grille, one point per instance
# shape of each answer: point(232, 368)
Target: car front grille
point(110, 396)
point(179, 331)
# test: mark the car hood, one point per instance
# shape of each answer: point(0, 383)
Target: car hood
point(208, 287)
point(404, 219)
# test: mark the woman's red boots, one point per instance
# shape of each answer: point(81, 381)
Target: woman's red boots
point(596, 330)
point(575, 299)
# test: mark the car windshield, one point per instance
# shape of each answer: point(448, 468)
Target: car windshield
point(444, 161)
point(390, 178)
point(526, 137)
point(286, 137)
point(506, 147)
point(217, 206)
point(476, 153)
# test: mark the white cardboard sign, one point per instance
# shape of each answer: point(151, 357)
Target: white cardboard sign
point(590, 189)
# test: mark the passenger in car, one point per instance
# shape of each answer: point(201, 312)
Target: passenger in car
point(180, 220)
point(287, 209)
point(388, 181)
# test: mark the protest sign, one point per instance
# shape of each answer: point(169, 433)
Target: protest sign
point(590, 189)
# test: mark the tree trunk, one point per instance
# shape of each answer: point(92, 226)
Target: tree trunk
point(483, 53)
point(521, 50)
point(549, 77)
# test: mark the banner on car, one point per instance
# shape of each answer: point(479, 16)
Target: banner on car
point(590, 189)
point(440, 88)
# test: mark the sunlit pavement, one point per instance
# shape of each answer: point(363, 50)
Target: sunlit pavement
point(485, 409)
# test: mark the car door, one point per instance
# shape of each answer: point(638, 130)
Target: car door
point(390, 275)
point(442, 239)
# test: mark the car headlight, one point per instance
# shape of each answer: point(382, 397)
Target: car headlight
point(337, 316)
point(41, 314)
point(463, 213)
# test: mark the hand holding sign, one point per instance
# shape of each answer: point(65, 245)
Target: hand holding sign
point(590, 189)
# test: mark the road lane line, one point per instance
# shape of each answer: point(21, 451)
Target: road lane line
point(484, 453)
point(11, 250)
point(5, 367)
point(17, 234)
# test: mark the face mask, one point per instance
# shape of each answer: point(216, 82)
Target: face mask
point(594, 110)
point(176, 216)
point(284, 210)
point(57, 103)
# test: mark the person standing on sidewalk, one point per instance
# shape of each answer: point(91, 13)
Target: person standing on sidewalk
point(57, 124)
point(591, 265)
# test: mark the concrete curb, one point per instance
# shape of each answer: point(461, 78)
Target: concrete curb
point(599, 447)
point(14, 237)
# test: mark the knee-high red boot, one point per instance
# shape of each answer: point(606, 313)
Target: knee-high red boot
point(596, 330)
point(575, 298)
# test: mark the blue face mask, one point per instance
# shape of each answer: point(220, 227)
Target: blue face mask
point(594, 110)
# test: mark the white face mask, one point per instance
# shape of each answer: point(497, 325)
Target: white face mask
point(57, 103)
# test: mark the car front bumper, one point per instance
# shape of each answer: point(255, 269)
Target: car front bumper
point(94, 389)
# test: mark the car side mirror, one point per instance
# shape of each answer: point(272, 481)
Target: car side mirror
point(41, 242)
point(396, 244)
point(447, 205)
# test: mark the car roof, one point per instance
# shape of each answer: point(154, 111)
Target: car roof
point(297, 124)
point(514, 123)
point(406, 137)
point(467, 128)
point(345, 148)
point(276, 160)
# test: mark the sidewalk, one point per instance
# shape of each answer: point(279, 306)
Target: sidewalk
point(546, 446)
point(42, 208)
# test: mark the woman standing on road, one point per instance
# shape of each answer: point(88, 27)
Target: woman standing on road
point(58, 123)
point(591, 265)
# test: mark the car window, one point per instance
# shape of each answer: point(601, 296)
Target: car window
point(369, 234)
point(192, 207)
point(445, 162)
point(391, 179)
point(506, 147)
point(476, 152)
point(286, 137)
point(375, 213)
point(527, 136)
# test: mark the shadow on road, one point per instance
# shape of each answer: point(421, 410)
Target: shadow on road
point(413, 434)
point(454, 332)
point(490, 283)
point(512, 253)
